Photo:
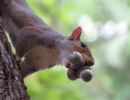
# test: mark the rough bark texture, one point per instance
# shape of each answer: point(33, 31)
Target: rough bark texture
point(11, 84)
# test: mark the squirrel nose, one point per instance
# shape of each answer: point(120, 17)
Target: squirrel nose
point(89, 62)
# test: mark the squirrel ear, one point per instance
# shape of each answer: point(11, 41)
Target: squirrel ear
point(76, 33)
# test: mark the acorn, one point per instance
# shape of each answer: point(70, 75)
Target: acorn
point(76, 60)
point(85, 74)
point(72, 74)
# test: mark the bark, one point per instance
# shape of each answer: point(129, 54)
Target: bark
point(11, 84)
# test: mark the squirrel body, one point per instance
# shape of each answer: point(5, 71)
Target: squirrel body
point(39, 44)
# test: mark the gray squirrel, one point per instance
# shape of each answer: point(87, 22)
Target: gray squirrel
point(39, 45)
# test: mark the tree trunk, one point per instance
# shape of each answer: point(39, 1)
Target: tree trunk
point(11, 84)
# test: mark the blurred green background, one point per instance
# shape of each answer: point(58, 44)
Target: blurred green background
point(105, 26)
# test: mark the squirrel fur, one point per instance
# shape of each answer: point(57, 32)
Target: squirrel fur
point(40, 45)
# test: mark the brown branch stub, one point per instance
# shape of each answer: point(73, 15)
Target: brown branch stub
point(11, 84)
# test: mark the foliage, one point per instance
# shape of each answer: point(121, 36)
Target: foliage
point(106, 31)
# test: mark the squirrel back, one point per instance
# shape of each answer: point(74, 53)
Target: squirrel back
point(16, 15)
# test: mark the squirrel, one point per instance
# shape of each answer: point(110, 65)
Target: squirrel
point(36, 42)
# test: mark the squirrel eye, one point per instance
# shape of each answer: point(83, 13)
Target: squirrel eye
point(82, 45)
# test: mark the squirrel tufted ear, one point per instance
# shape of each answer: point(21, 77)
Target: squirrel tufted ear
point(76, 33)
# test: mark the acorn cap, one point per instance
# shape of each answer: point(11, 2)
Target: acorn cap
point(71, 74)
point(76, 66)
point(86, 75)
point(76, 58)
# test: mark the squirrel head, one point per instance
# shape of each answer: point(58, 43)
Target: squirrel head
point(77, 45)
